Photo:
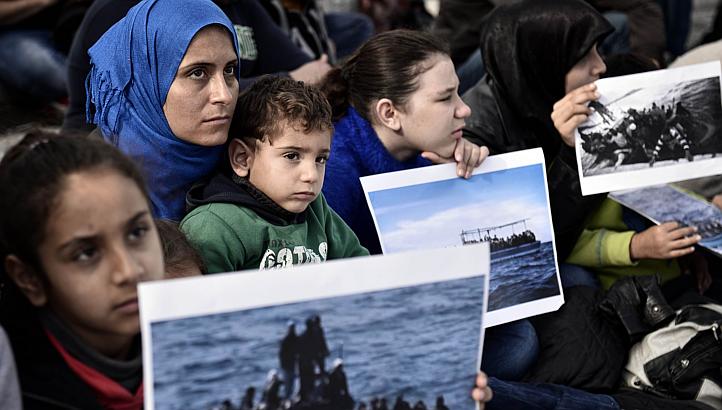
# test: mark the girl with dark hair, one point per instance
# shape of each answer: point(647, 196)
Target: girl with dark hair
point(76, 238)
point(162, 87)
point(397, 107)
point(540, 58)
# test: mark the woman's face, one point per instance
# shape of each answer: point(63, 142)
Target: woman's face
point(434, 114)
point(200, 102)
point(587, 70)
point(100, 242)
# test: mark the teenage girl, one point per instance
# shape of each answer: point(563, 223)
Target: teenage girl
point(76, 238)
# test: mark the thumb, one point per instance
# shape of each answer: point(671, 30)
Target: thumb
point(323, 58)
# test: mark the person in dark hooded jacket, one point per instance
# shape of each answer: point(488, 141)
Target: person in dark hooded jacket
point(536, 53)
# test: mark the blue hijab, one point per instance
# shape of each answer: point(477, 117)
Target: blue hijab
point(132, 68)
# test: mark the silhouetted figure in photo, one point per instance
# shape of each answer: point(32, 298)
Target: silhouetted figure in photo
point(226, 405)
point(288, 357)
point(338, 387)
point(271, 393)
point(306, 360)
point(401, 404)
point(319, 344)
point(440, 405)
point(248, 398)
point(362, 406)
point(382, 404)
point(420, 406)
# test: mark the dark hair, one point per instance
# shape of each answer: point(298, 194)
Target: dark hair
point(386, 66)
point(32, 175)
point(178, 252)
point(272, 101)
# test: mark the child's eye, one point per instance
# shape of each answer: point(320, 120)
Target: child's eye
point(293, 156)
point(138, 232)
point(322, 159)
point(85, 254)
point(447, 98)
point(230, 70)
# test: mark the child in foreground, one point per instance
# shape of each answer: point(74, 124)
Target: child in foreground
point(76, 237)
point(264, 209)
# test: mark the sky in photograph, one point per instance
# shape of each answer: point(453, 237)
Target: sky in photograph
point(432, 215)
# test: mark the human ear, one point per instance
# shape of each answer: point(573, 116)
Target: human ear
point(27, 280)
point(241, 155)
point(387, 114)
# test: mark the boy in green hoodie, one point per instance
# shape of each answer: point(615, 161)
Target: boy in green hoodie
point(265, 209)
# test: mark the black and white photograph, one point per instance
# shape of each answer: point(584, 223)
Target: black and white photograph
point(665, 203)
point(652, 128)
point(358, 333)
point(505, 204)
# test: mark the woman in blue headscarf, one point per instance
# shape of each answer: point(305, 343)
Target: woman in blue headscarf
point(163, 87)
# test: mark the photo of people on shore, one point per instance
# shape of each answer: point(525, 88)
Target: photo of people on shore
point(503, 205)
point(646, 123)
point(665, 203)
point(415, 341)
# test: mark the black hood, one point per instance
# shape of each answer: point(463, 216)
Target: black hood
point(530, 46)
point(239, 191)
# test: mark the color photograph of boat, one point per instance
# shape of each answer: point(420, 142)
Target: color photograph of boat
point(507, 207)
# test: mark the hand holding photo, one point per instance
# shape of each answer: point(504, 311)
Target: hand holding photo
point(652, 128)
point(665, 203)
point(401, 328)
point(505, 204)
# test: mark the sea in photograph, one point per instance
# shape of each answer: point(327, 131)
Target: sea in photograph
point(523, 278)
point(663, 203)
point(420, 341)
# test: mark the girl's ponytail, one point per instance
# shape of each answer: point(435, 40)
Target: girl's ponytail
point(336, 89)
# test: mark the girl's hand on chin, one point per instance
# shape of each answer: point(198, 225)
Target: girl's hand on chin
point(467, 156)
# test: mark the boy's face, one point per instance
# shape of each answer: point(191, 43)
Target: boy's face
point(291, 169)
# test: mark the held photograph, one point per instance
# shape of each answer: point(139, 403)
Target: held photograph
point(404, 328)
point(652, 128)
point(664, 203)
point(505, 204)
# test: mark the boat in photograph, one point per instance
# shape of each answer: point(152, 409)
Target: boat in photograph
point(520, 242)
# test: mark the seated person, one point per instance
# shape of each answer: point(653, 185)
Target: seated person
point(396, 107)
point(264, 208)
point(617, 243)
point(263, 49)
point(27, 40)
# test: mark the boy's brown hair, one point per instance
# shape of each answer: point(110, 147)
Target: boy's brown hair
point(272, 102)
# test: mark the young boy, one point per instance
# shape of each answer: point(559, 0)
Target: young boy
point(265, 210)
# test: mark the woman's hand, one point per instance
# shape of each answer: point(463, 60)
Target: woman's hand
point(666, 241)
point(467, 156)
point(571, 111)
point(482, 392)
point(313, 71)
